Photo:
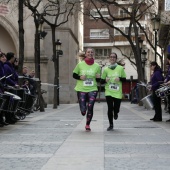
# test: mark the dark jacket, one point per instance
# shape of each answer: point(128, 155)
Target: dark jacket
point(156, 79)
point(2, 74)
point(9, 69)
point(168, 75)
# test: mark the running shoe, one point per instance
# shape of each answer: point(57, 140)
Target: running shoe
point(115, 116)
point(110, 128)
point(83, 113)
point(87, 127)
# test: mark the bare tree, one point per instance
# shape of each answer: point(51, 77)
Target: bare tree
point(37, 17)
point(135, 11)
point(60, 11)
point(21, 35)
point(55, 13)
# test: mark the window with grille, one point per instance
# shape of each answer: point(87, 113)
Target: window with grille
point(122, 13)
point(103, 11)
point(125, 29)
point(99, 33)
point(102, 53)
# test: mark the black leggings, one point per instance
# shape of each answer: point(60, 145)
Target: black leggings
point(83, 98)
point(157, 106)
point(113, 106)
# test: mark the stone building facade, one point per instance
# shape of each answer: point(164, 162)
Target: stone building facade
point(71, 36)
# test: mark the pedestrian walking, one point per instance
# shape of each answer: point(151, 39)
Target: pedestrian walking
point(156, 79)
point(113, 75)
point(87, 74)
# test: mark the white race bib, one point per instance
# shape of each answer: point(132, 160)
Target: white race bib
point(114, 86)
point(88, 82)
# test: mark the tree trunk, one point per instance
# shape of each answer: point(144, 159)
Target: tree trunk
point(142, 90)
point(37, 50)
point(21, 36)
point(57, 78)
point(137, 52)
point(37, 64)
point(55, 59)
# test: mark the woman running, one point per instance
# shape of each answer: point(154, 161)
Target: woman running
point(113, 76)
point(87, 74)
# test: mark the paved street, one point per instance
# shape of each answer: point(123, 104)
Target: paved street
point(56, 140)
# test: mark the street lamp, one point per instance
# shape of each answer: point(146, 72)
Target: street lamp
point(155, 25)
point(40, 24)
point(143, 54)
point(58, 45)
point(144, 59)
point(59, 52)
point(140, 42)
point(41, 32)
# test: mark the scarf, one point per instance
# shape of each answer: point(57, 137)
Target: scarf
point(112, 67)
point(89, 61)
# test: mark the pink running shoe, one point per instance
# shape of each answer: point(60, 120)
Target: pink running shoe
point(87, 127)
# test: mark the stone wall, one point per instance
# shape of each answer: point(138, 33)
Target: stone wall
point(69, 34)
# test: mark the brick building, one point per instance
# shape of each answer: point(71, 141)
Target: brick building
point(105, 39)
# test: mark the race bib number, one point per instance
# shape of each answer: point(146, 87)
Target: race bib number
point(114, 87)
point(88, 82)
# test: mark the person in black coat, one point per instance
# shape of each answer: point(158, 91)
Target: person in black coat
point(2, 72)
point(9, 70)
point(167, 82)
point(2, 84)
point(156, 79)
point(11, 80)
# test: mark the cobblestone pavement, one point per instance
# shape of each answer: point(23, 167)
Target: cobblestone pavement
point(56, 140)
